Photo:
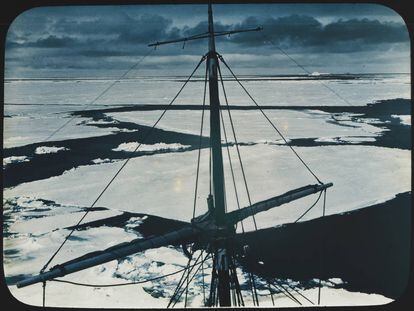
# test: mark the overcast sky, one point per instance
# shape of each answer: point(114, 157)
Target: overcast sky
point(105, 40)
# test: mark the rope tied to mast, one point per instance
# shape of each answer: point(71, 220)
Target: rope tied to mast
point(237, 149)
point(122, 284)
point(268, 119)
point(297, 155)
point(200, 142)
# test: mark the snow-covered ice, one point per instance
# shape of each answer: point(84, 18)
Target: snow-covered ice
point(163, 184)
point(292, 124)
point(367, 175)
point(137, 295)
point(405, 119)
point(14, 159)
point(132, 146)
point(99, 160)
point(46, 149)
point(38, 128)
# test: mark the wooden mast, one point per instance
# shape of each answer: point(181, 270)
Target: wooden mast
point(220, 248)
point(216, 227)
point(215, 135)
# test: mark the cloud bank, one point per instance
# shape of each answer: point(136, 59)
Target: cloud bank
point(90, 40)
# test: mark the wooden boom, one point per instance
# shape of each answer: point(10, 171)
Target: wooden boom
point(184, 235)
point(287, 197)
point(115, 252)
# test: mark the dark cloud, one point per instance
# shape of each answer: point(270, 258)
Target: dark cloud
point(288, 31)
point(89, 39)
point(299, 31)
point(53, 42)
point(366, 30)
point(112, 36)
point(128, 29)
point(145, 29)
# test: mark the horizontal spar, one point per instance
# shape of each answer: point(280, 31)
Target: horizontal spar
point(205, 35)
point(287, 197)
point(109, 254)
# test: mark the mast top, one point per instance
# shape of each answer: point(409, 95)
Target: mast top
point(211, 42)
point(209, 34)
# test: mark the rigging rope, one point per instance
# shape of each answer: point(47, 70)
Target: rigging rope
point(195, 273)
point(267, 118)
point(237, 144)
point(317, 200)
point(209, 167)
point(228, 109)
point(123, 165)
point(213, 284)
point(119, 284)
point(179, 282)
point(254, 288)
point(271, 293)
point(251, 279)
point(307, 71)
point(294, 151)
point(283, 292)
point(299, 293)
point(100, 95)
point(236, 282)
point(184, 279)
point(231, 166)
point(186, 292)
point(188, 281)
point(261, 268)
point(199, 146)
point(202, 278)
point(321, 252)
point(288, 294)
point(44, 294)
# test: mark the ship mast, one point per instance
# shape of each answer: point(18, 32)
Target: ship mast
point(215, 230)
point(215, 135)
point(220, 249)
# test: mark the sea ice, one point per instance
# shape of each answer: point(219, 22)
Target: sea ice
point(251, 126)
point(163, 184)
point(14, 159)
point(362, 176)
point(99, 160)
point(132, 146)
point(38, 128)
point(356, 140)
point(45, 149)
point(404, 119)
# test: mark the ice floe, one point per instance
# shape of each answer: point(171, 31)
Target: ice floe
point(14, 159)
point(251, 126)
point(132, 147)
point(163, 184)
point(156, 294)
point(37, 128)
point(361, 175)
point(98, 122)
point(46, 149)
point(356, 140)
point(404, 119)
point(100, 161)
